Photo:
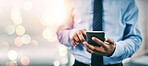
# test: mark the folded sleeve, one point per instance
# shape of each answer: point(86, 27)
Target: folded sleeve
point(132, 36)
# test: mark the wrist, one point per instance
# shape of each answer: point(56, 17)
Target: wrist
point(111, 53)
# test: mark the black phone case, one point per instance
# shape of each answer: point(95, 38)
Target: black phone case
point(94, 34)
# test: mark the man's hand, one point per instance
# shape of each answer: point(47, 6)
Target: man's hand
point(79, 37)
point(106, 49)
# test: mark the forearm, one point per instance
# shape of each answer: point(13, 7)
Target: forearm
point(127, 47)
point(132, 39)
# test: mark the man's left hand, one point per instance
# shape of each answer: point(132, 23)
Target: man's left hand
point(106, 48)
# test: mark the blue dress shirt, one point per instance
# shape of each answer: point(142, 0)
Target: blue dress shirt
point(120, 22)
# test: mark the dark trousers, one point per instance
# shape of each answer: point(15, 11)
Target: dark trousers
point(77, 63)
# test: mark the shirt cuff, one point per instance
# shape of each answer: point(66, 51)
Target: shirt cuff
point(119, 50)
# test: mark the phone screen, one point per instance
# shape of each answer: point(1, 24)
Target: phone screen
point(98, 34)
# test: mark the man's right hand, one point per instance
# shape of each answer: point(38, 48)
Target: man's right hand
point(79, 37)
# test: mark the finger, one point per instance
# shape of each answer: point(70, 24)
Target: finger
point(73, 42)
point(84, 31)
point(89, 46)
point(93, 52)
point(94, 48)
point(80, 36)
point(85, 45)
point(76, 38)
point(109, 40)
point(98, 41)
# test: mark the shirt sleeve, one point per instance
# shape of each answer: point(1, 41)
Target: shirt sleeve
point(132, 36)
point(65, 35)
point(66, 30)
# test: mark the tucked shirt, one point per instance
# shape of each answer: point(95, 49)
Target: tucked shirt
point(120, 22)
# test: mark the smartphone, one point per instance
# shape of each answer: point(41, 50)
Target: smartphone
point(98, 34)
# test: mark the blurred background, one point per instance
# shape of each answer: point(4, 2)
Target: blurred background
point(28, 33)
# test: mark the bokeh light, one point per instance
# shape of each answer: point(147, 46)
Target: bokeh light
point(20, 30)
point(25, 60)
point(45, 20)
point(11, 64)
point(4, 45)
point(47, 33)
point(27, 5)
point(10, 29)
point(18, 41)
point(50, 35)
point(63, 50)
point(54, 38)
point(58, 12)
point(56, 15)
point(64, 60)
point(56, 63)
point(26, 39)
point(34, 43)
point(12, 55)
point(16, 15)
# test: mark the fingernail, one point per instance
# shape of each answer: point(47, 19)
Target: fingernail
point(106, 39)
point(84, 42)
point(75, 45)
point(93, 38)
